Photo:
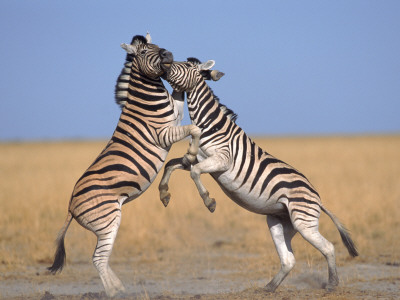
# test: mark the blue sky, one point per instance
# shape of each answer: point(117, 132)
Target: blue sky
point(292, 67)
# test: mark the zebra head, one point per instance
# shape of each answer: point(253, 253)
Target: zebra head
point(207, 74)
point(150, 59)
point(184, 76)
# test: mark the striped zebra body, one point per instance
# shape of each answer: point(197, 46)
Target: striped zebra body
point(148, 126)
point(250, 176)
point(137, 150)
point(258, 181)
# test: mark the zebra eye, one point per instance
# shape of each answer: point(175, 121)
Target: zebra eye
point(143, 52)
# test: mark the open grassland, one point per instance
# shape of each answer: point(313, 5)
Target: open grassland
point(358, 179)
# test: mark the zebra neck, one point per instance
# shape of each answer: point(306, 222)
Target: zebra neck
point(145, 92)
point(203, 108)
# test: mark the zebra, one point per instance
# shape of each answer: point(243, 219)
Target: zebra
point(251, 177)
point(147, 127)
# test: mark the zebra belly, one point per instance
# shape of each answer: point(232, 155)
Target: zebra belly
point(132, 194)
point(144, 183)
point(104, 183)
point(250, 201)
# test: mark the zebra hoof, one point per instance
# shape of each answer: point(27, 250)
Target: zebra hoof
point(330, 287)
point(211, 205)
point(165, 197)
point(115, 289)
point(270, 287)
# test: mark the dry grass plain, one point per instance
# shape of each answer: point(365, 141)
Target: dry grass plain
point(185, 252)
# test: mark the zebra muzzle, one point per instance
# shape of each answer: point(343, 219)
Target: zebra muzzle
point(216, 75)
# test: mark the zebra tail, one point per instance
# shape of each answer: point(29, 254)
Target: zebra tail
point(60, 257)
point(344, 233)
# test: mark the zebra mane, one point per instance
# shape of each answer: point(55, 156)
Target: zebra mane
point(194, 60)
point(207, 75)
point(139, 39)
point(121, 86)
point(225, 110)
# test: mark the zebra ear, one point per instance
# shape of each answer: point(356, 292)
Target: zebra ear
point(130, 49)
point(206, 66)
point(148, 38)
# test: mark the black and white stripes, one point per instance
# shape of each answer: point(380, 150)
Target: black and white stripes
point(251, 177)
point(148, 126)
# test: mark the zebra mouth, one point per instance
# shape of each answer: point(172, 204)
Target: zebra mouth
point(166, 66)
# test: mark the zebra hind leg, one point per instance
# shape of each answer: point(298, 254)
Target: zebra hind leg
point(105, 241)
point(282, 232)
point(311, 234)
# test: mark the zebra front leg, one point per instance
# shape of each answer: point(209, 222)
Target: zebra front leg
point(215, 163)
point(167, 138)
point(190, 157)
point(172, 165)
point(171, 135)
point(282, 232)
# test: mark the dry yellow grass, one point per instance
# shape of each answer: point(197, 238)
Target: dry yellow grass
point(358, 179)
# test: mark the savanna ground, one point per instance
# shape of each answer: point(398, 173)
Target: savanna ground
point(185, 252)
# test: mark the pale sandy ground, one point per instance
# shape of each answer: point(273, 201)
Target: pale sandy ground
point(221, 274)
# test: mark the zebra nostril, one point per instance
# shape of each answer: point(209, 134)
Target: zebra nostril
point(166, 56)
